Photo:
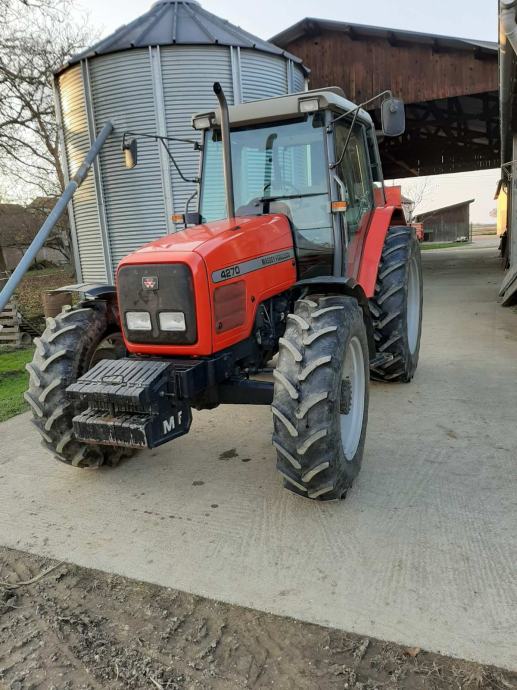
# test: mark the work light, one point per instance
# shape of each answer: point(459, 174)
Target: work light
point(309, 105)
point(203, 121)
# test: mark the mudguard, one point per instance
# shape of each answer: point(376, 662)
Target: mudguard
point(383, 218)
point(91, 290)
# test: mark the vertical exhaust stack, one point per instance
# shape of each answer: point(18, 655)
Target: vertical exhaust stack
point(227, 152)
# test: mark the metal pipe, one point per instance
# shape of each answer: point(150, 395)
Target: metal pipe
point(56, 213)
point(227, 152)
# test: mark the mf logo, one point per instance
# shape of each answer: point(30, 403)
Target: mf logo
point(172, 423)
point(150, 282)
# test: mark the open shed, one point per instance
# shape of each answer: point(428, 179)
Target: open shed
point(449, 86)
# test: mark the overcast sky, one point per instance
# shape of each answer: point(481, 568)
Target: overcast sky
point(465, 18)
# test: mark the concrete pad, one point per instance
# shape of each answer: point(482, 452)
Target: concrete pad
point(423, 551)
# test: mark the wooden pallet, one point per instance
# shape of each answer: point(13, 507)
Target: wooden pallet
point(10, 332)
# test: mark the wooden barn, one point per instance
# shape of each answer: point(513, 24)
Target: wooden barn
point(447, 224)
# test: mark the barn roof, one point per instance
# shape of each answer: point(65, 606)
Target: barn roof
point(178, 22)
point(436, 211)
point(310, 25)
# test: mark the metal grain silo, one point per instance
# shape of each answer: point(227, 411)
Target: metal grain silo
point(149, 77)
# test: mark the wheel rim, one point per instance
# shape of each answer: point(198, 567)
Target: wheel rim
point(353, 386)
point(413, 305)
point(110, 347)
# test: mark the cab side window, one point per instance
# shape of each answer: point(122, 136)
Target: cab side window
point(354, 171)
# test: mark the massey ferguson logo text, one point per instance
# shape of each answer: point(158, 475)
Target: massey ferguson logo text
point(252, 265)
point(275, 259)
point(150, 283)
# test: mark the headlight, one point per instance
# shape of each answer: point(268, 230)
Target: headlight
point(172, 321)
point(138, 321)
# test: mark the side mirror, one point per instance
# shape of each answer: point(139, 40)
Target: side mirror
point(130, 149)
point(393, 117)
point(187, 218)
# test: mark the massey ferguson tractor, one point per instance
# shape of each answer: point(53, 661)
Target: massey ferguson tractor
point(295, 262)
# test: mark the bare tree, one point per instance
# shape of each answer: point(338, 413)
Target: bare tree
point(32, 47)
point(418, 190)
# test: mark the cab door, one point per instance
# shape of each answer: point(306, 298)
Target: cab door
point(354, 171)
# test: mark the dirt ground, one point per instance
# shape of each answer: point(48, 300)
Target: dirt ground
point(79, 629)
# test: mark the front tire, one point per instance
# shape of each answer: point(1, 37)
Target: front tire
point(396, 306)
point(320, 406)
point(71, 344)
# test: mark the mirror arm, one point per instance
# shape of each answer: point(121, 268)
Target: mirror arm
point(192, 196)
point(158, 137)
point(194, 180)
point(361, 105)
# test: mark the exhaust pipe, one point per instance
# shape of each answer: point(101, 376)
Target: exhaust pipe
point(227, 152)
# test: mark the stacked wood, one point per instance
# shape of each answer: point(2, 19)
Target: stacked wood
point(10, 331)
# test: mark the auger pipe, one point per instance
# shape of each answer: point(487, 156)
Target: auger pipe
point(56, 213)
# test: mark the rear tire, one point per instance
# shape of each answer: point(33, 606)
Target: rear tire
point(71, 343)
point(396, 306)
point(320, 406)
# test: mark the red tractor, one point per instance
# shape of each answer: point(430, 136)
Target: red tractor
point(295, 253)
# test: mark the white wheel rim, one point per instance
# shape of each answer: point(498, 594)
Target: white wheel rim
point(413, 305)
point(353, 386)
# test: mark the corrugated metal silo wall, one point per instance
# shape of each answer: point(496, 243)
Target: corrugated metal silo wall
point(122, 90)
point(84, 210)
point(298, 79)
point(188, 75)
point(263, 75)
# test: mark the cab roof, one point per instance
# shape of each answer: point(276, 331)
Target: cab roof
point(285, 108)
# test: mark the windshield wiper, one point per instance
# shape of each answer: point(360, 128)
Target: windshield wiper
point(289, 196)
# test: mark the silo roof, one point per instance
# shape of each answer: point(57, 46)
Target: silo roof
point(178, 22)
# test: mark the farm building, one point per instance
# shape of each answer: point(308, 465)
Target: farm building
point(18, 227)
point(449, 85)
point(447, 224)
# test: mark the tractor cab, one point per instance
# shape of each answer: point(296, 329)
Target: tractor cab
point(312, 157)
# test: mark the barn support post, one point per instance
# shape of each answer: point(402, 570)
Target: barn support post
point(513, 209)
point(54, 216)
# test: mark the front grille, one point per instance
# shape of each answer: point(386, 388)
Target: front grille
point(171, 288)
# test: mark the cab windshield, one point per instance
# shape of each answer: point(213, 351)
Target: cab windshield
point(277, 168)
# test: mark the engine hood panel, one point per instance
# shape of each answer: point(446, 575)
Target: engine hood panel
point(241, 237)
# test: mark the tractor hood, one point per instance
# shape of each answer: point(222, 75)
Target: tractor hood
point(233, 240)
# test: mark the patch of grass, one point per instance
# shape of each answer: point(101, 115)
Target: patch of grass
point(13, 382)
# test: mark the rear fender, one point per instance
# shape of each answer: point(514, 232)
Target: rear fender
point(342, 286)
point(383, 218)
